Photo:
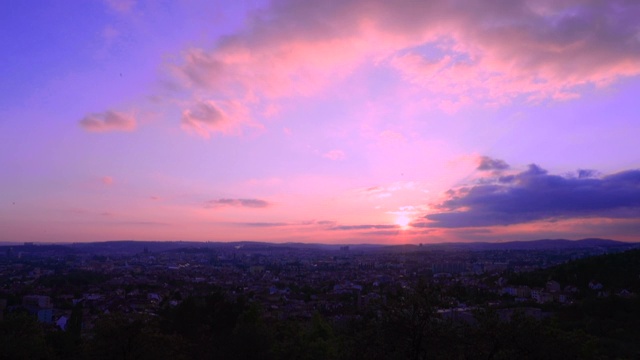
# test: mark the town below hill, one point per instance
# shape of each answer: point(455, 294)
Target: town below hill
point(122, 247)
point(534, 299)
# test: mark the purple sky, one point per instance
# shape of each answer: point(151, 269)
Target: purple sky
point(344, 121)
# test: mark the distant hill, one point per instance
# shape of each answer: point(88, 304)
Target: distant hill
point(134, 247)
point(543, 244)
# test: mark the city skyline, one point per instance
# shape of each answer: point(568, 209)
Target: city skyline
point(354, 121)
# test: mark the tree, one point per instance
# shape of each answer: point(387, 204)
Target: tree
point(22, 337)
point(132, 336)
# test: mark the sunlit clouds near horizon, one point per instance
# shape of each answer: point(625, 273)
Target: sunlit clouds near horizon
point(352, 121)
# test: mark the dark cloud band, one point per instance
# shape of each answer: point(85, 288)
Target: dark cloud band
point(249, 203)
point(534, 195)
point(365, 227)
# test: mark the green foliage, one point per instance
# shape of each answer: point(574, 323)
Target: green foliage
point(131, 336)
point(409, 324)
point(64, 344)
point(250, 336)
point(520, 338)
point(471, 295)
point(613, 321)
point(215, 327)
point(74, 323)
point(22, 337)
point(314, 340)
point(72, 282)
point(614, 271)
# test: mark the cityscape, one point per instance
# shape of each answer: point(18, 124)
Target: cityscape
point(76, 291)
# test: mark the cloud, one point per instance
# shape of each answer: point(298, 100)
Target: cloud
point(498, 52)
point(335, 155)
point(382, 233)
point(365, 227)
point(206, 116)
point(312, 223)
point(585, 173)
point(479, 52)
point(325, 222)
point(535, 195)
point(487, 163)
point(389, 136)
point(121, 6)
point(264, 182)
point(108, 121)
point(375, 192)
point(107, 180)
point(248, 203)
point(110, 34)
point(400, 188)
point(140, 223)
point(261, 224)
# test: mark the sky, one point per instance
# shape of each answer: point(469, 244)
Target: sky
point(335, 121)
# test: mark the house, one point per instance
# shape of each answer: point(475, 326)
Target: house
point(625, 293)
point(523, 292)
point(553, 286)
point(594, 285)
point(40, 306)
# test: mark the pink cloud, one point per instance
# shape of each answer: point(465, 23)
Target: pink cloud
point(107, 180)
point(246, 203)
point(389, 136)
point(121, 6)
point(110, 34)
point(207, 117)
point(266, 182)
point(489, 53)
point(335, 155)
point(108, 121)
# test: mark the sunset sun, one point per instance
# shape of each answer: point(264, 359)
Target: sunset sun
point(403, 221)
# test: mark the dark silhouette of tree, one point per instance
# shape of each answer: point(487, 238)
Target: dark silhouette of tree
point(410, 324)
point(215, 327)
point(251, 337)
point(131, 336)
point(313, 340)
point(22, 337)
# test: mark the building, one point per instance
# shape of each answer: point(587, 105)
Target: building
point(40, 306)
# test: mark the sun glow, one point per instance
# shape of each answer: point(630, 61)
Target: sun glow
point(403, 221)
